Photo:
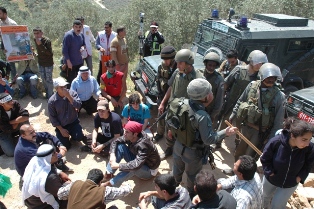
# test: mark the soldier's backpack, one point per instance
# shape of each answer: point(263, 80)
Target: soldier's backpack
point(179, 117)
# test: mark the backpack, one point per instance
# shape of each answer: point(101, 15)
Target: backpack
point(179, 119)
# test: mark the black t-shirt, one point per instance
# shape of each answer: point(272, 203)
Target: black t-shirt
point(222, 200)
point(110, 126)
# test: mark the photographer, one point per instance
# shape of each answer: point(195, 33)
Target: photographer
point(153, 40)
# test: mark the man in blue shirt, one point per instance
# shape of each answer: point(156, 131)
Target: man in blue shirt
point(63, 108)
point(72, 46)
point(27, 146)
point(85, 86)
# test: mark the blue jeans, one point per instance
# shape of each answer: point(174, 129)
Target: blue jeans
point(7, 144)
point(32, 79)
point(123, 152)
point(75, 131)
point(46, 77)
point(275, 197)
point(190, 162)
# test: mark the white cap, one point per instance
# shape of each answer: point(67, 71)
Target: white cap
point(59, 82)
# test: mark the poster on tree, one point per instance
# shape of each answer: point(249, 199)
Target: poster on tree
point(16, 43)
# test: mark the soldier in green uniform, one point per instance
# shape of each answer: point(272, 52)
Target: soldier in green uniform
point(177, 87)
point(189, 147)
point(230, 63)
point(211, 62)
point(165, 70)
point(260, 109)
point(237, 81)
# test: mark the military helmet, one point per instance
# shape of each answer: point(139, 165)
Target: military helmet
point(212, 56)
point(257, 57)
point(269, 70)
point(168, 52)
point(185, 55)
point(198, 89)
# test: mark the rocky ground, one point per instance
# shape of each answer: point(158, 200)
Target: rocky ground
point(82, 162)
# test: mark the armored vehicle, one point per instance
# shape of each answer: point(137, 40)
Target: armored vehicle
point(287, 40)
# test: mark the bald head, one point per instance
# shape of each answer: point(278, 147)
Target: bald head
point(27, 132)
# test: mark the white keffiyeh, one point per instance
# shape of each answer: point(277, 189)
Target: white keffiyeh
point(35, 177)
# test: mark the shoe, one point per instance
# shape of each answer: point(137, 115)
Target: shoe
point(85, 149)
point(87, 141)
point(215, 146)
point(228, 172)
point(61, 166)
point(108, 176)
point(157, 138)
point(167, 153)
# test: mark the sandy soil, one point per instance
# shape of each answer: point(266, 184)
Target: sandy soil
point(82, 162)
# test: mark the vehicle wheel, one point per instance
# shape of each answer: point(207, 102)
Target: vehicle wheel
point(289, 89)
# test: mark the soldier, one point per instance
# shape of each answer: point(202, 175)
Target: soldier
point(165, 70)
point(211, 62)
point(188, 151)
point(261, 110)
point(177, 86)
point(236, 82)
point(230, 63)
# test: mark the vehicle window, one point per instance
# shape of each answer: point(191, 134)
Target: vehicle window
point(300, 45)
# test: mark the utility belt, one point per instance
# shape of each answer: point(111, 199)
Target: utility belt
point(256, 127)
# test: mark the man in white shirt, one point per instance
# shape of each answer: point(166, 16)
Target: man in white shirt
point(89, 39)
point(103, 41)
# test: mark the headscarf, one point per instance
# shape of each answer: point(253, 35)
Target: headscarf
point(35, 177)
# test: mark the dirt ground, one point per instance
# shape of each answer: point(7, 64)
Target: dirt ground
point(82, 162)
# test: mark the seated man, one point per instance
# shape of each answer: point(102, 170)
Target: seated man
point(4, 85)
point(207, 197)
point(113, 86)
point(136, 111)
point(91, 193)
point(111, 128)
point(246, 183)
point(41, 181)
point(63, 106)
point(141, 156)
point(28, 144)
point(27, 72)
point(85, 86)
point(12, 116)
point(166, 194)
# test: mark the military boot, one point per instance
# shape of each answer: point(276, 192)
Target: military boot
point(166, 154)
point(157, 138)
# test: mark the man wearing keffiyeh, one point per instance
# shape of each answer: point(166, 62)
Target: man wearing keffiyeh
point(12, 116)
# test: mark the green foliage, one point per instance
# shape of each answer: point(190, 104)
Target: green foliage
point(177, 19)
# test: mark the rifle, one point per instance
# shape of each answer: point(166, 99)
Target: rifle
point(208, 154)
point(162, 116)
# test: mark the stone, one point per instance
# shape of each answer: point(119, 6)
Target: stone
point(309, 181)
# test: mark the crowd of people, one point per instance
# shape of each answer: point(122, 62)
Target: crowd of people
point(247, 95)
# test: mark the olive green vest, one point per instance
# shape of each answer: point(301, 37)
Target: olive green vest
point(181, 83)
point(179, 118)
point(238, 87)
point(212, 79)
point(250, 112)
point(165, 73)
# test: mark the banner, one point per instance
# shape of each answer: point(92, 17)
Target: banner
point(16, 42)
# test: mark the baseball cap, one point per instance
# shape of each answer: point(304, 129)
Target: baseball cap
point(102, 105)
point(154, 24)
point(59, 82)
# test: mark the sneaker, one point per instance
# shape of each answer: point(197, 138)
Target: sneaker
point(167, 153)
point(216, 146)
point(108, 176)
point(157, 138)
point(85, 149)
point(228, 172)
